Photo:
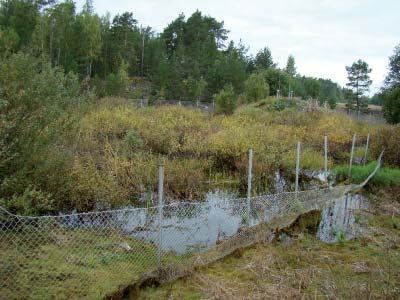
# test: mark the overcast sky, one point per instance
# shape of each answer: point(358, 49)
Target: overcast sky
point(323, 35)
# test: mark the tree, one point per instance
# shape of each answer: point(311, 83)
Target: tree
point(256, 88)
point(226, 100)
point(21, 16)
point(329, 92)
point(9, 40)
point(359, 80)
point(391, 90)
point(277, 80)
point(263, 59)
point(391, 105)
point(89, 32)
point(34, 96)
point(290, 66)
point(312, 87)
point(393, 77)
point(229, 68)
point(124, 36)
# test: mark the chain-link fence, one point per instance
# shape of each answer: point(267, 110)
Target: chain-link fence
point(205, 106)
point(89, 255)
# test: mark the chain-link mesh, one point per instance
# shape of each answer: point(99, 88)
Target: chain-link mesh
point(89, 255)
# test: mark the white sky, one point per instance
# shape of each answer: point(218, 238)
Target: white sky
point(323, 35)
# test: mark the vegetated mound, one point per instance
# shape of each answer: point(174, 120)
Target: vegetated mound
point(107, 154)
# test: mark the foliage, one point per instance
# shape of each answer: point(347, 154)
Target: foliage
point(30, 202)
point(393, 77)
point(226, 100)
point(391, 105)
point(312, 87)
point(190, 60)
point(387, 138)
point(290, 66)
point(277, 80)
point(263, 59)
point(359, 80)
point(341, 237)
point(36, 123)
point(255, 88)
point(117, 85)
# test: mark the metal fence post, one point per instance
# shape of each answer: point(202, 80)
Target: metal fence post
point(249, 175)
point(297, 168)
point(160, 212)
point(326, 158)
point(352, 154)
point(366, 149)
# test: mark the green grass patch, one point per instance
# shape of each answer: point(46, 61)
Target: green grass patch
point(70, 264)
point(384, 177)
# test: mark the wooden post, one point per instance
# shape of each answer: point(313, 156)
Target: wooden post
point(352, 154)
point(366, 149)
point(249, 178)
point(160, 212)
point(297, 168)
point(326, 158)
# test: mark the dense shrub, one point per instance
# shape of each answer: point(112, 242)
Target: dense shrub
point(30, 202)
point(226, 100)
point(387, 138)
point(255, 88)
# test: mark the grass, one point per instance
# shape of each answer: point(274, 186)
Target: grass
point(384, 177)
point(76, 264)
point(304, 268)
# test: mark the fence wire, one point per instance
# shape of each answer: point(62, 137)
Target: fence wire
point(89, 255)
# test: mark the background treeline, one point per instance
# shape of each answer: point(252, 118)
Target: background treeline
point(191, 59)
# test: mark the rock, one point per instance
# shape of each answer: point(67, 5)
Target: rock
point(125, 246)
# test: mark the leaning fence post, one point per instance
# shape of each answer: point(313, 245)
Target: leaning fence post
point(160, 212)
point(326, 158)
point(249, 175)
point(297, 168)
point(352, 154)
point(366, 149)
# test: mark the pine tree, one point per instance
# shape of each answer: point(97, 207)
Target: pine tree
point(359, 80)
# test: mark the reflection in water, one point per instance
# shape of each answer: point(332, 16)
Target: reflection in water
point(197, 226)
point(340, 219)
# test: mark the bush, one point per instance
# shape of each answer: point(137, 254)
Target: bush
point(226, 100)
point(332, 103)
point(30, 202)
point(133, 140)
point(255, 88)
point(117, 84)
point(387, 138)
